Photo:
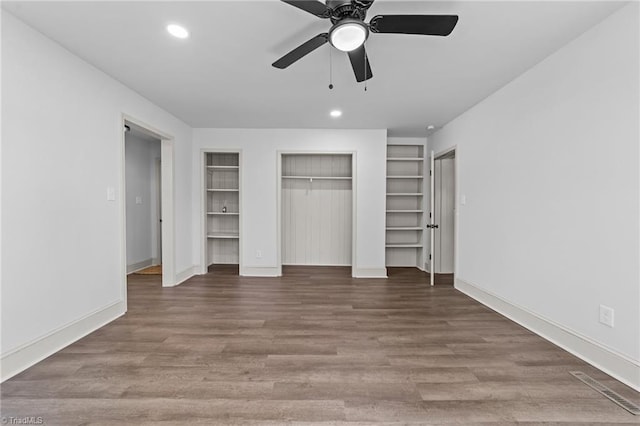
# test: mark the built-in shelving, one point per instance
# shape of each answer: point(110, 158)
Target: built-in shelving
point(405, 185)
point(222, 214)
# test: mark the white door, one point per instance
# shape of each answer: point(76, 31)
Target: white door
point(431, 225)
point(443, 214)
point(158, 190)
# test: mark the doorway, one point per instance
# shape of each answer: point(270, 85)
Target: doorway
point(143, 198)
point(147, 208)
point(442, 224)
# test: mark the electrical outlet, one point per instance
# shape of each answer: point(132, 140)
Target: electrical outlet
point(606, 315)
point(258, 254)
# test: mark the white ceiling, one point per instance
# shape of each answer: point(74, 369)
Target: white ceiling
point(222, 76)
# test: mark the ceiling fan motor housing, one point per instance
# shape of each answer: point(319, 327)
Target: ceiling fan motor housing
point(342, 9)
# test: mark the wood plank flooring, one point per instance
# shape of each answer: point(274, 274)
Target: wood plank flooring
point(313, 347)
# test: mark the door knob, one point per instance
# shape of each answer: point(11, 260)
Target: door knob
point(432, 226)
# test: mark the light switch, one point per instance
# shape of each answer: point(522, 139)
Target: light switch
point(111, 193)
point(138, 200)
point(463, 199)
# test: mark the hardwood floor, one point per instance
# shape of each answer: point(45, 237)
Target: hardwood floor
point(313, 347)
point(443, 279)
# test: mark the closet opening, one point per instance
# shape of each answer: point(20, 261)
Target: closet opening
point(404, 243)
point(222, 242)
point(316, 213)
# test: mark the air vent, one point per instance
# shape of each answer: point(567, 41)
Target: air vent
point(613, 396)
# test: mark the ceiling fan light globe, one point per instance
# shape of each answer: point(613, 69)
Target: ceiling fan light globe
point(348, 36)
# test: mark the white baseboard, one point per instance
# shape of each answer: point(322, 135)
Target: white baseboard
point(23, 357)
point(369, 273)
point(139, 266)
point(615, 364)
point(186, 274)
point(256, 271)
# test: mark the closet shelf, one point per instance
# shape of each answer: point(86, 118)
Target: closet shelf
point(318, 177)
point(223, 167)
point(404, 228)
point(405, 159)
point(405, 177)
point(404, 245)
point(222, 190)
point(223, 214)
point(227, 235)
point(404, 194)
point(405, 211)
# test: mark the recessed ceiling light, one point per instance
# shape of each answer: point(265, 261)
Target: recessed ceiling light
point(177, 31)
point(431, 127)
point(335, 113)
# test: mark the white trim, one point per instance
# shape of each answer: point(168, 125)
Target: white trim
point(615, 364)
point(168, 213)
point(204, 268)
point(279, 214)
point(135, 267)
point(432, 216)
point(330, 265)
point(354, 213)
point(23, 357)
point(260, 271)
point(186, 274)
point(370, 273)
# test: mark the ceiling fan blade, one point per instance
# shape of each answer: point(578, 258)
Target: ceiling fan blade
point(360, 64)
point(314, 7)
point(436, 25)
point(301, 51)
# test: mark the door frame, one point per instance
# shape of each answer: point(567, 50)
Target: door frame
point(167, 201)
point(158, 189)
point(354, 197)
point(433, 157)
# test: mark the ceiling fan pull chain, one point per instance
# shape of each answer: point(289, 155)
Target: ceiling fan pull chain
point(366, 77)
point(330, 69)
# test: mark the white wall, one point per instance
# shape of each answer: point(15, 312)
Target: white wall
point(62, 148)
point(141, 156)
point(549, 167)
point(260, 149)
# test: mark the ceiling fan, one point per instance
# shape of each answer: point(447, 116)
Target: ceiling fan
point(349, 31)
